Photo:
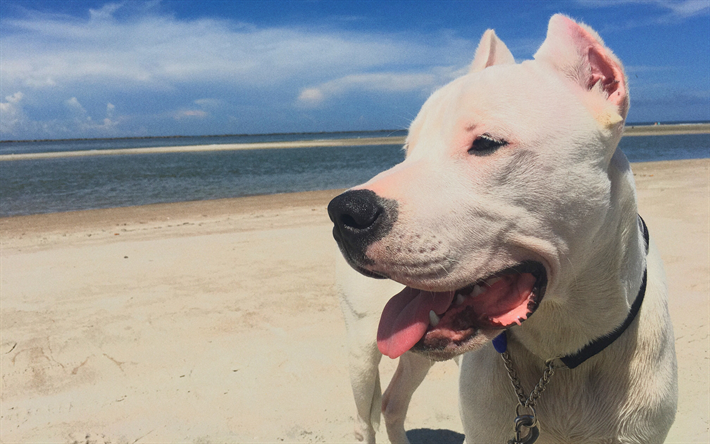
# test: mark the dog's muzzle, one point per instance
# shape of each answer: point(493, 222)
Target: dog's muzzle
point(361, 217)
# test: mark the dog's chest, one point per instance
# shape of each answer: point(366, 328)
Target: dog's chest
point(575, 407)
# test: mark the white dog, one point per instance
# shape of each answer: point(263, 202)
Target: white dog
point(514, 217)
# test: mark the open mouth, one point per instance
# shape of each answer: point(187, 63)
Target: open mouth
point(444, 324)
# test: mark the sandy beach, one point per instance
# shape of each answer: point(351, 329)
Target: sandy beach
point(216, 321)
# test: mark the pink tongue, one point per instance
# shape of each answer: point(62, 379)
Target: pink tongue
point(405, 319)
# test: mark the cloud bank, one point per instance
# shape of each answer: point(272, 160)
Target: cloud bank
point(132, 69)
point(673, 10)
point(61, 73)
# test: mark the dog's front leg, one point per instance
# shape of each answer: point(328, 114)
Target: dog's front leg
point(411, 370)
point(365, 381)
point(362, 300)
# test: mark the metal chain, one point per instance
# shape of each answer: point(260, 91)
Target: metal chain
point(529, 400)
point(513, 375)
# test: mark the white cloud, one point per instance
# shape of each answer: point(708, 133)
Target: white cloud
point(36, 82)
point(11, 113)
point(153, 63)
point(191, 114)
point(15, 98)
point(675, 9)
point(83, 123)
point(311, 96)
point(687, 8)
point(382, 82)
point(168, 75)
point(75, 107)
point(161, 51)
point(105, 12)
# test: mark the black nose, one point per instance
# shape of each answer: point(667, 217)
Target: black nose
point(360, 217)
point(355, 210)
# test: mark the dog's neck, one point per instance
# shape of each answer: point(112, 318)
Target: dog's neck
point(598, 290)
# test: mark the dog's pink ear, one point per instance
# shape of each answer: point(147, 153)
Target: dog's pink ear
point(580, 54)
point(491, 51)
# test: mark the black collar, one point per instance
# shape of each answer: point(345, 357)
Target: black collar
point(599, 344)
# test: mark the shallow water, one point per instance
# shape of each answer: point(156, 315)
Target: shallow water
point(77, 183)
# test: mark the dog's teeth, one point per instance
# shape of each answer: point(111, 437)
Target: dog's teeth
point(433, 318)
point(492, 281)
point(459, 299)
point(477, 290)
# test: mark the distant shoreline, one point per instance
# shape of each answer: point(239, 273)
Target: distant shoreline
point(667, 130)
point(212, 147)
point(632, 130)
point(206, 136)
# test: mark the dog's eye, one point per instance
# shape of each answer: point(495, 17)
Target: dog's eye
point(485, 145)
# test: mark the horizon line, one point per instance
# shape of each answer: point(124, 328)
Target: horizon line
point(72, 139)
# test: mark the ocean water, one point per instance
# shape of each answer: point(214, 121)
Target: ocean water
point(51, 146)
point(77, 183)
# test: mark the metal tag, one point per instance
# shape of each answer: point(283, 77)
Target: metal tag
point(528, 422)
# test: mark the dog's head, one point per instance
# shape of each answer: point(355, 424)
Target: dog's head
point(505, 178)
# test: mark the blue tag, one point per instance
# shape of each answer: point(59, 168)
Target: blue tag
point(500, 343)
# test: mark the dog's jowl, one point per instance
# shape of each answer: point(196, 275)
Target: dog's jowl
point(513, 232)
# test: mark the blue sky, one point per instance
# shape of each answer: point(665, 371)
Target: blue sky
point(151, 68)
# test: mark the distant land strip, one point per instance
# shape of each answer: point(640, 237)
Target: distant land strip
point(667, 130)
point(214, 147)
point(636, 130)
